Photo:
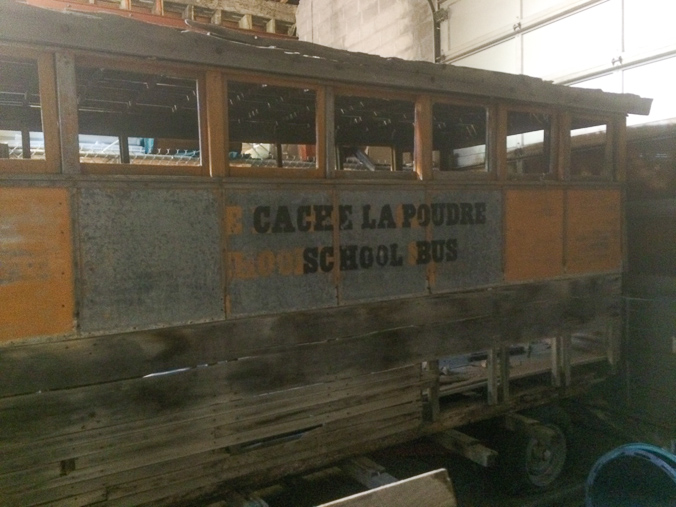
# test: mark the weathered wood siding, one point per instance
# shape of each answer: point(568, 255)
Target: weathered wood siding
point(36, 274)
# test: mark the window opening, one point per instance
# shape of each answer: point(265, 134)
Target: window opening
point(272, 126)
point(459, 138)
point(21, 134)
point(374, 134)
point(137, 118)
point(590, 153)
point(528, 143)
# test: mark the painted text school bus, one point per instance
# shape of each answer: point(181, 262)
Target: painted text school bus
point(225, 259)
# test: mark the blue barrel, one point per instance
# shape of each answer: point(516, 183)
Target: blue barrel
point(633, 475)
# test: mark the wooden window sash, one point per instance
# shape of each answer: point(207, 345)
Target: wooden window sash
point(492, 120)
point(152, 67)
point(319, 170)
point(48, 115)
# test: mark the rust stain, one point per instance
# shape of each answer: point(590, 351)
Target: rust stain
point(36, 279)
point(594, 237)
point(534, 234)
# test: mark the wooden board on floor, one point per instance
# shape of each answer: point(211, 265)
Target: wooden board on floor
point(433, 489)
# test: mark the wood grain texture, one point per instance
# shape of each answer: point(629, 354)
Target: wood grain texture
point(395, 332)
point(594, 230)
point(36, 275)
point(533, 234)
point(66, 96)
point(432, 489)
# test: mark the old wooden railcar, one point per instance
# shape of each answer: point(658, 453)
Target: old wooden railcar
point(225, 259)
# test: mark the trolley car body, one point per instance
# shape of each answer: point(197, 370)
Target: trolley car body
point(181, 314)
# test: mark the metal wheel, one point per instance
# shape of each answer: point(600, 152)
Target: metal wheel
point(528, 463)
point(544, 461)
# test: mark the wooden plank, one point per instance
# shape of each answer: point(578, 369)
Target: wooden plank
point(414, 330)
point(333, 436)
point(433, 489)
point(322, 121)
point(533, 234)
point(100, 412)
point(141, 169)
point(88, 479)
point(493, 377)
point(366, 472)
point(423, 137)
point(66, 88)
point(36, 275)
point(217, 130)
point(259, 8)
point(329, 129)
point(260, 416)
point(467, 446)
point(216, 17)
point(246, 22)
point(203, 119)
point(594, 230)
point(504, 374)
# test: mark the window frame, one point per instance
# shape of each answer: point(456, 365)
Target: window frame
point(146, 67)
point(492, 119)
point(373, 93)
point(46, 71)
point(555, 170)
point(320, 127)
point(609, 169)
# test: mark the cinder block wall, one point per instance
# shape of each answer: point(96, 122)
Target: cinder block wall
point(401, 28)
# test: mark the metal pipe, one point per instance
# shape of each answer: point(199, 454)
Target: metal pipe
point(437, 32)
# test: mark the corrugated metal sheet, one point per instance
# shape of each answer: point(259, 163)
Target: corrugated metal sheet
point(379, 246)
point(269, 233)
point(473, 220)
point(150, 258)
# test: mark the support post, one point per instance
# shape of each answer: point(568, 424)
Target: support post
point(66, 87)
point(217, 17)
point(504, 373)
point(123, 141)
point(246, 22)
point(433, 391)
point(25, 141)
point(492, 373)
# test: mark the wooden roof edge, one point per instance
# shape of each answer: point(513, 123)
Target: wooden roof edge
point(254, 52)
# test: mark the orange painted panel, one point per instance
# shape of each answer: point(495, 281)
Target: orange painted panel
point(594, 231)
point(36, 275)
point(533, 234)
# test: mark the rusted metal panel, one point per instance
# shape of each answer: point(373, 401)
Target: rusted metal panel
point(150, 258)
point(467, 232)
point(36, 275)
point(594, 231)
point(279, 250)
point(383, 244)
point(534, 234)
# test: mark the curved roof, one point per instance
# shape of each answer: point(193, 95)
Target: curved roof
point(217, 46)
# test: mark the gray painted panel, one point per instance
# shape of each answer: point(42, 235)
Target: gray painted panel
point(150, 258)
point(379, 241)
point(274, 239)
point(472, 221)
